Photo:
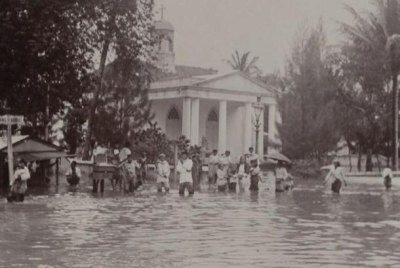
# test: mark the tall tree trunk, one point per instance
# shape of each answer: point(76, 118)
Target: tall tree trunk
point(359, 158)
point(95, 100)
point(379, 162)
point(368, 164)
point(395, 112)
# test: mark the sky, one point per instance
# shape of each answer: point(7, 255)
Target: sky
point(209, 31)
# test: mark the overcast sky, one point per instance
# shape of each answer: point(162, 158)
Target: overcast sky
point(208, 31)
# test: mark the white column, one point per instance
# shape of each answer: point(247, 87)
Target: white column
point(222, 121)
point(194, 120)
point(272, 123)
point(186, 114)
point(248, 126)
point(261, 136)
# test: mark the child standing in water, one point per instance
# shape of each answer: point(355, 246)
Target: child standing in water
point(337, 174)
point(254, 176)
point(163, 171)
point(387, 177)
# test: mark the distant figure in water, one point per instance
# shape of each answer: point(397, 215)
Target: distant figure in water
point(387, 177)
point(254, 176)
point(281, 177)
point(73, 174)
point(336, 173)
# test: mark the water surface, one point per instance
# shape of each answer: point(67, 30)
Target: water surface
point(308, 227)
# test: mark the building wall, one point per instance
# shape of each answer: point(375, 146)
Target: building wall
point(205, 108)
point(161, 108)
point(235, 120)
point(235, 126)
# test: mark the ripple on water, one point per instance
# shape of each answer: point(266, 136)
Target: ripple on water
point(308, 227)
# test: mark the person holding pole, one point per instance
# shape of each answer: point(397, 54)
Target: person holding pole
point(18, 184)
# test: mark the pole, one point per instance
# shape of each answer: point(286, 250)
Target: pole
point(10, 153)
point(257, 131)
point(57, 172)
point(175, 161)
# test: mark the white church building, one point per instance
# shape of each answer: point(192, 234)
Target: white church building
point(210, 109)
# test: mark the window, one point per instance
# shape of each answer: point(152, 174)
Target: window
point(173, 114)
point(212, 116)
point(170, 45)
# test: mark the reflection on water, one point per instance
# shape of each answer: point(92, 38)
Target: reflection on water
point(308, 227)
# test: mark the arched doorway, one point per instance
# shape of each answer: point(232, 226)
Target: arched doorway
point(173, 128)
point(212, 130)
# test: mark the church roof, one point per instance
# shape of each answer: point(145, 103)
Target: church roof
point(182, 71)
point(234, 81)
point(164, 25)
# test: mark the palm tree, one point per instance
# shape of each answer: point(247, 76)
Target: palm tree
point(243, 63)
point(381, 31)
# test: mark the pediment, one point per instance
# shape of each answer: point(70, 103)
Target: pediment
point(237, 82)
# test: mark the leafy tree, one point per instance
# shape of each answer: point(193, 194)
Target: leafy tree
point(380, 31)
point(244, 63)
point(122, 25)
point(44, 57)
point(308, 107)
point(152, 141)
point(124, 105)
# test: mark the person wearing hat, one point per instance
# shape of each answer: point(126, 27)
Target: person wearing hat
point(73, 174)
point(163, 171)
point(129, 178)
point(337, 175)
point(184, 169)
point(18, 184)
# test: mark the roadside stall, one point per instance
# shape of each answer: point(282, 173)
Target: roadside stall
point(33, 151)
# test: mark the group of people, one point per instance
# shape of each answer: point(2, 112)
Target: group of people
point(230, 175)
point(131, 173)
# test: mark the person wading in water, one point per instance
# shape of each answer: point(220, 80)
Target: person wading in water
point(184, 169)
point(336, 173)
point(387, 175)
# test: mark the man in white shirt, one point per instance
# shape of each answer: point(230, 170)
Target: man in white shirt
point(163, 171)
point(184, 168)
point(125, 152)
point(213, 162)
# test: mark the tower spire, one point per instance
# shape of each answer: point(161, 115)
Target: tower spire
point(162, 11)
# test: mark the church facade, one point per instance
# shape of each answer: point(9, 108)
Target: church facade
point(214, 110)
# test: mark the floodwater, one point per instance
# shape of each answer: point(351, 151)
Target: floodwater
point(308, 227)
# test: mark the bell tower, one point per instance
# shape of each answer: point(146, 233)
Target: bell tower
point(165, 47)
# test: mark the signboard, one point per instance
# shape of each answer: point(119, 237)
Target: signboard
point(11, 119)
